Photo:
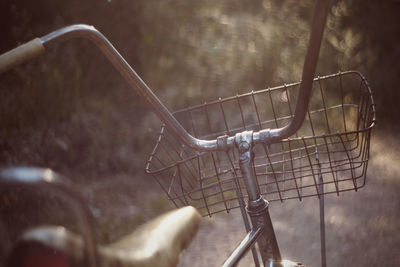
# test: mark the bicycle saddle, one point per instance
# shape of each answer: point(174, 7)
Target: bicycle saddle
point(159, 242)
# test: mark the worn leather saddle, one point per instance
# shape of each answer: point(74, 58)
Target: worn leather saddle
point(159, 242)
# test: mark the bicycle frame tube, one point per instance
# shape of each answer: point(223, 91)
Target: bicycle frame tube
point(48, 180)
point(243, 247)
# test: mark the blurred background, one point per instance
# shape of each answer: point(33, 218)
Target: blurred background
point(71, 111)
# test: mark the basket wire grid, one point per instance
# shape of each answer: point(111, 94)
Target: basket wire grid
point(333, 142)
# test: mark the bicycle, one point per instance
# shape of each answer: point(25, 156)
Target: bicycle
point(318, 147)
point(56, 246)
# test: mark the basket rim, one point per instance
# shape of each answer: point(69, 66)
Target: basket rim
point(309, 137)
point(285, 85)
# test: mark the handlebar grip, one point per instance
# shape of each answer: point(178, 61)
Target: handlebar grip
point(21, 54)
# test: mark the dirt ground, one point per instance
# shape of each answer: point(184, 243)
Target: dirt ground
point(362, 228)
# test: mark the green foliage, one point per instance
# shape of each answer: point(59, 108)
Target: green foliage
point(372, 37)
point(71, 111)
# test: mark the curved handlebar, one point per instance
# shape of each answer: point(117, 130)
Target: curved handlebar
point(89, 32)
point(49, 180)
point(266, 136)
point(309, 67)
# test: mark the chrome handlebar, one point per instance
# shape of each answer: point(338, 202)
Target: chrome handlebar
point(134, 80)
point(223, 142)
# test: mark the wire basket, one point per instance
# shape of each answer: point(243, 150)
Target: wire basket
point(333, 142)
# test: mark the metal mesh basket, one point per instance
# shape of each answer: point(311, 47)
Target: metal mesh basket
point(333, 142)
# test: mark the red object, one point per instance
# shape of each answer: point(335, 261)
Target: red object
point(42, 257)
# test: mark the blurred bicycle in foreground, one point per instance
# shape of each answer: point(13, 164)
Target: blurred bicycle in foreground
point(275, 144)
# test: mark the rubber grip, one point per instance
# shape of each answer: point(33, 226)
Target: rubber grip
point(21, 54)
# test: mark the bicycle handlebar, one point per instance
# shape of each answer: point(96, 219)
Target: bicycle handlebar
point(90, 33)
point(21, 54)
point(48, 180)
point(31, 49)
point(309, 67)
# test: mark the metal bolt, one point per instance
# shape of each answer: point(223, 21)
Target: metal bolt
point(244, 146)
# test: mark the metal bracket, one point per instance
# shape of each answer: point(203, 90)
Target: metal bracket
point(244, 143)
point(222, 142)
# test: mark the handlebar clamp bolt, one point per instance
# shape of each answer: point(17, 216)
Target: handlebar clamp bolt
point(244, 146)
